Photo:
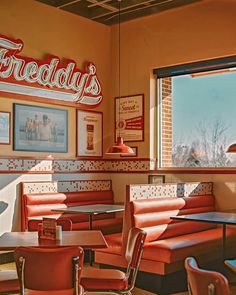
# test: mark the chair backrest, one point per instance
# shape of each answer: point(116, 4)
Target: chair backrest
point(133, 254)
point(204, 282)
point(66, 224)
point(47, 269)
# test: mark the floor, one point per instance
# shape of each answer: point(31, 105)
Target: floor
point(135, 291)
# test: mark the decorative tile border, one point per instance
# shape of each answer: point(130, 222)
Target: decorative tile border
point(84, 185)
point(39, 187)
point(15, 165)
point(65, 186)
point(171, 190)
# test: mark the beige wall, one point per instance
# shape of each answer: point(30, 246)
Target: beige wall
point(193, 32)
point(48, 31)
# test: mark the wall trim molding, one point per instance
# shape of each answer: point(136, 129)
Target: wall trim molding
point(21, 165)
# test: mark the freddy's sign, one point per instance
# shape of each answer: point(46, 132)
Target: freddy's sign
point(49, 79)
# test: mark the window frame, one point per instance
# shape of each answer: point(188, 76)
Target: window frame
point(185, 69)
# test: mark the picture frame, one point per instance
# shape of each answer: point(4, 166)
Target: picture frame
point(89, 133)
point(156, 179)
point(129, 117)
point(40, 129)
point(135, 149)
point(5, 127)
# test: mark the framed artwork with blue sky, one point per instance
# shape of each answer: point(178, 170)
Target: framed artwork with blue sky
point(40, 129)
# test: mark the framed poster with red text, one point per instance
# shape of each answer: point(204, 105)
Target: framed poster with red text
point(129, 117)
point(89, 134)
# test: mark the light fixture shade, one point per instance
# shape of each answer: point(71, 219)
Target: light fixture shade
point(231, 148)
point(119, 148)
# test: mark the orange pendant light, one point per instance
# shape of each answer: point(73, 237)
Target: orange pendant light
point(119, 148)
point(231, 148)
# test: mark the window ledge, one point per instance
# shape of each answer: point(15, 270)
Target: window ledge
point(197, 170)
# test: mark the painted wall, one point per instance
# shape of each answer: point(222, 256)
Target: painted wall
point(49, 31)
point(199, 31)
point(194, 32)
point(64, 35)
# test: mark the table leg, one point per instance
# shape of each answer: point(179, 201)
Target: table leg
point(90, 221)
point(90, 228)
point(224, 240)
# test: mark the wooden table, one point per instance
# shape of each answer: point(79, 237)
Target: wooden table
point(92, 210)
point(85, 239)
point(218, 217)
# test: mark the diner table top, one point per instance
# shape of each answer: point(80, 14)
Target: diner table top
point(213, 217)
point(86, 239)
point(93, 209)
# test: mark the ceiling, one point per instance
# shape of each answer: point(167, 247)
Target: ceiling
point(107, 11)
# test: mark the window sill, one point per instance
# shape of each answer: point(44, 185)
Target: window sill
point(197, 170)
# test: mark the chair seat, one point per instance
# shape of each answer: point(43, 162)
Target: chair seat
point(8, 281)
point(55, 292)
point(103, 279)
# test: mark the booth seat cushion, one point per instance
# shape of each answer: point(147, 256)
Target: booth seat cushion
point(178, 248)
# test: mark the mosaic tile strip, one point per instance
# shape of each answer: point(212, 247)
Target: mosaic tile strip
point(39, 187)
point(84, 185)
point(65, 186)
point(70, 166)
point(171, 190)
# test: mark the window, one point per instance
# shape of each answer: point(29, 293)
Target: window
point(197, 114)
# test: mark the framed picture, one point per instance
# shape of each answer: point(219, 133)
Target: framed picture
point(129, 117)
point(156, 179)
point(40, 129)
point(5, 127)
point(135, 149)
point(89, 134)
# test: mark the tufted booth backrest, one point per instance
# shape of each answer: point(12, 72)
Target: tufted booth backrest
point(153, 215)
point(36, 206)
point(150, 206)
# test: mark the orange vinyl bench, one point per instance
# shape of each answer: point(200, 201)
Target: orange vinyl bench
point(168, 241)
point(35, 206)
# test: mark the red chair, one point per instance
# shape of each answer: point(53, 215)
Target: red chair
point(9, 283)
point(49, 270)
point(8, 279)
point(204, 282)
point(113, 280)
point(66, 224)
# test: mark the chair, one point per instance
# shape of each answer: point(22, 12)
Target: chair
point(113, 280)
point(49, 270)
point(8, 279)
point(65, 223)
point(231, 264)
point(9, 283)
point(204, 282)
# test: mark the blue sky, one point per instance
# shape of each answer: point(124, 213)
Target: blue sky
point(203, 98)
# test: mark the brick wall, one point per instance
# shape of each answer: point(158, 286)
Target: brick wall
point(166, 122)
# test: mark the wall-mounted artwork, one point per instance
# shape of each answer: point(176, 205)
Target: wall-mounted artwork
point(129, 117)
point(40, 129)
point(89, 134)
point(5, 127)
point(156, 179)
